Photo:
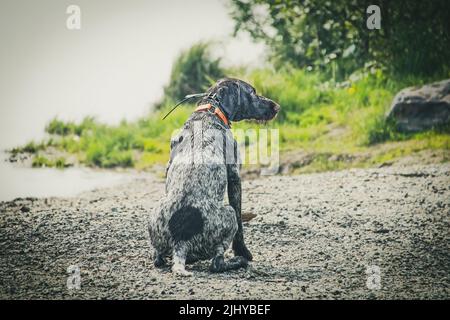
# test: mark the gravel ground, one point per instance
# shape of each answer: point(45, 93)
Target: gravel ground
point(315, 236)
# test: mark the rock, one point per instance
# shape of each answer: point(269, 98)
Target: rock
point(420, 108)
point(25, 209)
point(382, 230)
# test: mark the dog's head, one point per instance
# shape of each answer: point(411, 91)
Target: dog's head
point(239, 101)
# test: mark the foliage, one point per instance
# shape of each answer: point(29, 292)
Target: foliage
point(193, 71)
point(62, 128)
point(41, 161)
point(332, 36)
point(319, 116)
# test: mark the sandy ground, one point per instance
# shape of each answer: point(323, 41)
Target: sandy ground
point(315, 236)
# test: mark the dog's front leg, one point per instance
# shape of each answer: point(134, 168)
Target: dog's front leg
point(235, 198)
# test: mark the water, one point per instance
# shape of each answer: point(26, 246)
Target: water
point(113, 68)
point(23, 182)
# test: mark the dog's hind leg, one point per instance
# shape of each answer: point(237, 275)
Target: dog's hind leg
point(158, 260)
point(179, 260)
point(229, 228)
point(184, 225)
point(157, 237)
point(219, 264)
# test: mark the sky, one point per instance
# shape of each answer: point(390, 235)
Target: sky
point(113, 68)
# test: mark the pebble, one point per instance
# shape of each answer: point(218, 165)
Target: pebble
point(330, 228)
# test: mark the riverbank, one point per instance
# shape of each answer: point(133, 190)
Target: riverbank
point(314, 237)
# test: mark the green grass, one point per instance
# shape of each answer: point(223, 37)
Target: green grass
point(41, 161)
point(318, 116)
point(61, 128)
point(33, 147)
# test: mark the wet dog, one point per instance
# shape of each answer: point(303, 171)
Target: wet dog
point(191, 222)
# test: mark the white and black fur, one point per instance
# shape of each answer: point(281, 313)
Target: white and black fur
point(191, 222)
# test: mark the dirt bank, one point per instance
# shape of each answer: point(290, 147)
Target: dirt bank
point(314, 237)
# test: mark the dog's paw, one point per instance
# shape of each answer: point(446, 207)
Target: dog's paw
point(182, 272)
point(159, 262)
point(242, 251)
point(238, 262)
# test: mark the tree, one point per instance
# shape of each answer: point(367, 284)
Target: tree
point(414, 35)
point(193, 71)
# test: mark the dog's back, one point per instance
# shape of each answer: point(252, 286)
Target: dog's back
point(197, 166)
point(196, 181)
point(192, 222)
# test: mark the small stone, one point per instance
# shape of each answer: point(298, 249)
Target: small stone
point(336, 292)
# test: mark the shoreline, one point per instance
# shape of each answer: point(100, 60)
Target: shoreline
point(313, 237)
point(19, 181)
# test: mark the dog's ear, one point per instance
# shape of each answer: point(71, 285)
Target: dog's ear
point(228, 101)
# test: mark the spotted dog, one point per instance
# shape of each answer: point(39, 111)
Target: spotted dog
point(191, 222)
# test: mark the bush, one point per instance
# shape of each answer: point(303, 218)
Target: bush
point(193, 71)
point(95, 154)
point(41, 161)
point(122, 159)
point(30, 147)
point(318, 116)
point(61, 128)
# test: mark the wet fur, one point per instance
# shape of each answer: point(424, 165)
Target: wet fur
point(192, 222)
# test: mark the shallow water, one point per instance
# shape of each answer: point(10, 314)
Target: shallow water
point(16, 181)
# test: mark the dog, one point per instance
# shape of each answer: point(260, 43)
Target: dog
point(191, 222)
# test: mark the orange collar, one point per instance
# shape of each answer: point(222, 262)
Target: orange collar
point(217, 112)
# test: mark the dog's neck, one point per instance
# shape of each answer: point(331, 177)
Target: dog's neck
point(215, 102)
point(212, 100)
point(216, 111)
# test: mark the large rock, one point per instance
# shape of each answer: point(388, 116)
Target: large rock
point(421, 108)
